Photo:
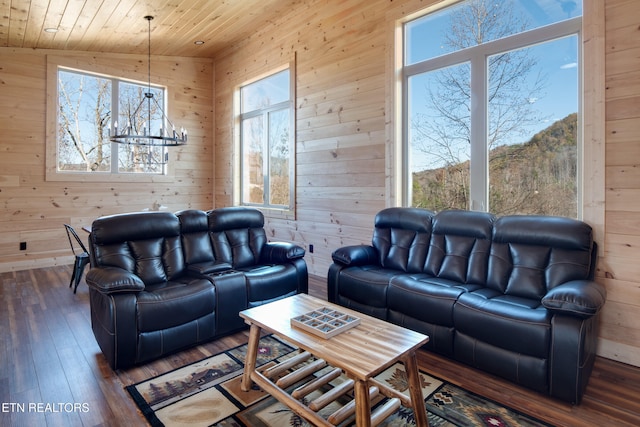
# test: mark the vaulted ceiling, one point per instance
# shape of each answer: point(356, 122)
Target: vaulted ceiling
point(119, 25)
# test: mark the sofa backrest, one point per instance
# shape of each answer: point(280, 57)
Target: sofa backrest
point(237, 235)
point(194, 231)
point(459, 246)
point(532, 254)
point(144, 243)
point(401, 237)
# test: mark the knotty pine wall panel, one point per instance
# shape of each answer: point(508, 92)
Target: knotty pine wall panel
point(340, 137)
point(34, 209)
point(341, 51)
point(620, 327)
point(344, 143)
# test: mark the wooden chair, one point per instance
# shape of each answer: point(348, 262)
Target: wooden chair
point(81, 253)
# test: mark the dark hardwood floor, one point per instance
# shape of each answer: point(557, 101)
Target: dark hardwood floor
point(53, 374)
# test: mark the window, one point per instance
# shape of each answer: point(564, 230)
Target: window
point(84, 121)
point(491, 95)
point(266, 143)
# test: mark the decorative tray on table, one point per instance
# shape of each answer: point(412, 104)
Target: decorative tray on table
point(325, 322)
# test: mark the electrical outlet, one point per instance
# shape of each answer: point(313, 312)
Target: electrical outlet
point(310, 249)
point(23, 246)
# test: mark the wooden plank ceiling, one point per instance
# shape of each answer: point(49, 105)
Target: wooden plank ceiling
point(119, 25)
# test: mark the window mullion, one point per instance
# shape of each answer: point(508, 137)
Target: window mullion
point(479, 165)
point(266, 159)
point(407, 193)
point(115, 113)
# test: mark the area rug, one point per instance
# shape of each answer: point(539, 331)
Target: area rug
point(207, 393)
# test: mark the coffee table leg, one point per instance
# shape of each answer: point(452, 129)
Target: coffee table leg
point(415, 390)
point(250, 360)
point(363, 404)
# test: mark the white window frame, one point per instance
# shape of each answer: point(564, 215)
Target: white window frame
point(264, 112)
point(477, 57)
point(54, 63)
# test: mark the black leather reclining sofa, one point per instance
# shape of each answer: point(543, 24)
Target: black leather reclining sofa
point(513, 296)
point(160, 282)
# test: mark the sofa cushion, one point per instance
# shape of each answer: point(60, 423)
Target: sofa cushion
point(365, 289)
point(194, 231)
point(531, 255)
point(425, 297)
point(459, 246)
point(237, 235)
point(519, 325)
point(401, 237)
point(134, 226)
point(171, 304)
point(144, 243)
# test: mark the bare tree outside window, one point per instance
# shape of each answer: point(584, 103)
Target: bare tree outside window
point(252, 166)
point(140, 158)
point(83, 123)
point(85, 119)
point(279, 157)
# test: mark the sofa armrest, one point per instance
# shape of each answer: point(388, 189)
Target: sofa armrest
point(280, 252)
point(356, 255)
point(581, 298)
point(113, 279)
point(211, 267)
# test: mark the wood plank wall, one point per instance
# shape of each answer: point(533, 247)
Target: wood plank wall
point(620, 328)
point(345, 144)
point(344, 162)
point(34, 208)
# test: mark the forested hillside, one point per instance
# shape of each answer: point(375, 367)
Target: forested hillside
point(536, 177)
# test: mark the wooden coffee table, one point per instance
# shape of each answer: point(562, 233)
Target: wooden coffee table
point(360, 353)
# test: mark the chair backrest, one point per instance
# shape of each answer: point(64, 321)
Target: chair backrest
point(145, 243)
point(237, 235)
point(530, 255)
point(194, 231)
point(460, 244)
point(401, 236)
point(73, 236)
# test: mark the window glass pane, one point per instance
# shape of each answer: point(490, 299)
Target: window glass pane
point(263, 93)
point(141, 159)
point(473, 22)
point(141, 115)
point(439, 139)
point(84, 116)
point(279, 157)
point(84, 124)
point(532, 139)
point(252, 160)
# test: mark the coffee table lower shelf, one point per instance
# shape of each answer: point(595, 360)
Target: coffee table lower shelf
point(276, 379)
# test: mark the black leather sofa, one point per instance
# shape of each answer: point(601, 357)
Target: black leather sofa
point(513, 296)
point(160, 282)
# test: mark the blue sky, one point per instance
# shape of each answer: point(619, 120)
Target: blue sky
point(556, 60)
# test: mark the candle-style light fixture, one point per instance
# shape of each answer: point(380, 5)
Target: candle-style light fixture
point(138, 129)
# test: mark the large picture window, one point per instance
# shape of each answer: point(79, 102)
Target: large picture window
point(266, 142)
point(87, 105)
point(491, 94)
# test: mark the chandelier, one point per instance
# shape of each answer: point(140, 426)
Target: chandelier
point(138, 129)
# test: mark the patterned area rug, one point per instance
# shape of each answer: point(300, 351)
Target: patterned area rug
point(207, 393)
